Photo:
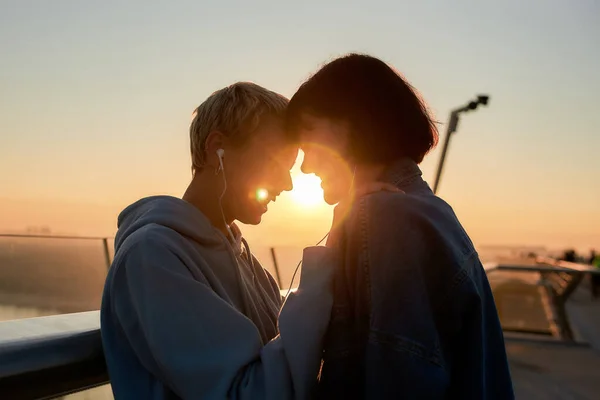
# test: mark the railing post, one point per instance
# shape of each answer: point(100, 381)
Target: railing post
point(106, 253)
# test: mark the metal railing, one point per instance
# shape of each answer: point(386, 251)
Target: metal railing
point(48, 357)
point(104, 240)
point(106, 249)
point(558, 281)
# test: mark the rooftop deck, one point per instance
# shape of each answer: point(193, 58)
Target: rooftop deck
point(553, 369)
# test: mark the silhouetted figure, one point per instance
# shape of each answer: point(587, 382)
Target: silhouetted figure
point(188, 312)
point(570, 256)
point(414, 312)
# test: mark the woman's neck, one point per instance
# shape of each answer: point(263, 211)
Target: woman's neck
point(365, 174)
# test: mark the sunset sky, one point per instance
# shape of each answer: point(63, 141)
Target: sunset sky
point(96, 99)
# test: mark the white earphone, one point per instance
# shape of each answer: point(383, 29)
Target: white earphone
point(220, 153)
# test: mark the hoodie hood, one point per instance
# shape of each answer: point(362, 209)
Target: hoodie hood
point(175, 214)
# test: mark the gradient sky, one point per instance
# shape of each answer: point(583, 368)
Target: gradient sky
point(96, 99)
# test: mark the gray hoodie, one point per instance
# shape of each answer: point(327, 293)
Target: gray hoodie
point(188, 314)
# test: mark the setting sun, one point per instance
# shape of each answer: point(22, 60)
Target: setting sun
point(307, 190)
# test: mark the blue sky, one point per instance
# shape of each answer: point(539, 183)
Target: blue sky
point(96, 97)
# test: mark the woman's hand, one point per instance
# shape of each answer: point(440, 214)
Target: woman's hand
point(341, 210)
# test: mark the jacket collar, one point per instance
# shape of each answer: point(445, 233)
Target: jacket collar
point(401, 172)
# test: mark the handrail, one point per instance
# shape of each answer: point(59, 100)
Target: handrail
point(568, 265)
point(542, 266)
point(46, 357)
point(104, 240)
point(42, 236)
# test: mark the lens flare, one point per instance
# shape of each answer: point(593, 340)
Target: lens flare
point(262, 194)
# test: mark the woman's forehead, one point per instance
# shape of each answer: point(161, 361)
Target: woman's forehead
point(323, 131)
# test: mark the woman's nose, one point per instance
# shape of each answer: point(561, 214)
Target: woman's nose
point(306, 167)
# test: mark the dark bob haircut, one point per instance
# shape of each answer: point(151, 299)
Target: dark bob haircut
point(387, 118)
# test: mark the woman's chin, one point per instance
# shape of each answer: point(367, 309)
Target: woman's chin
point(331, 197)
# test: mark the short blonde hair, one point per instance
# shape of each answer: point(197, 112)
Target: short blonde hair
point(235, 111)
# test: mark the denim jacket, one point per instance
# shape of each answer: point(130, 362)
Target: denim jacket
point(413, 314)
